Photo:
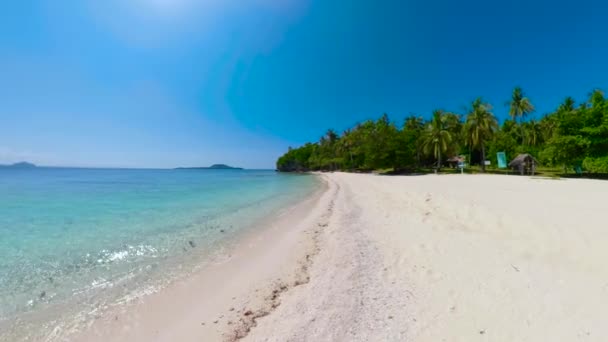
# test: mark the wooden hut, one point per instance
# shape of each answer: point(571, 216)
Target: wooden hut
point(524, 164)
point(455, 161)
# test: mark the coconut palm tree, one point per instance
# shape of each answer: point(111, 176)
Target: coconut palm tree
point(532, 133)
point(567, 105)
point(437, 136)
point(480, 127)
point(520, 105)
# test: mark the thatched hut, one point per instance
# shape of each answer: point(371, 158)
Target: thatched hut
point(524, 163)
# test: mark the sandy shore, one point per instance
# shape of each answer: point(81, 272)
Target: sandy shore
point(222, 301)
point(421, 258)
point(454, 258)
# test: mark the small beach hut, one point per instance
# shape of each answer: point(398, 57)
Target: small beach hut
point(524, 163)
point(455, 161)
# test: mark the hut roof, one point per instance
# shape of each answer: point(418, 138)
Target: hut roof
point(522, 158)
point(456, 159)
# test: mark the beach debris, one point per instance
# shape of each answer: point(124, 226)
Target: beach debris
point(42, 294)
point(481, 332)
point(515, 268)
point(248, 313)
point(202, 323)
point(231, 309)
point(215, 322)
point(192, 244)
point(222, 231)
point(390, 317)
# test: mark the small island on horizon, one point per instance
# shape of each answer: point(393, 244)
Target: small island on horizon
point(212, 167)
point(20, 165)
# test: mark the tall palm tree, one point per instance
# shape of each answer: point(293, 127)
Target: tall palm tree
point(437, 137)
point(480, 127)
point(331, 139)
point(520, 105)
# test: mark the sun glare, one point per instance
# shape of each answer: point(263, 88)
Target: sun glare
point(168, 6)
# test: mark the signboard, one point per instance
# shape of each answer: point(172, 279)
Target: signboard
point(502, 160)
point(461, 166)
point(488, 163)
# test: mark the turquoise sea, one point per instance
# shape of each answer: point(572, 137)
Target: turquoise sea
point(76, 241)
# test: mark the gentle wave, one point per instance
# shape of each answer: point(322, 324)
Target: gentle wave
point(76, 242)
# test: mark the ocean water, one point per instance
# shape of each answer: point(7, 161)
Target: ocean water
point(74, 242)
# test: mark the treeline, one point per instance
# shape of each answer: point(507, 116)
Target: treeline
point(574, 135)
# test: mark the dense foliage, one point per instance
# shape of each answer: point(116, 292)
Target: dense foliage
point(573, 136)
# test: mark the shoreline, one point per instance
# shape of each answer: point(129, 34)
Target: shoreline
point(222, 300)
point(56, 318)
point(374, 258)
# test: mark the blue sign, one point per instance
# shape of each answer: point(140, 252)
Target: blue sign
point(502, 160)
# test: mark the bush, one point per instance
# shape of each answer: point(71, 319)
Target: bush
point(596, 165)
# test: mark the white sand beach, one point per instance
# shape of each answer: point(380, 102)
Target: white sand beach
point(403, 258)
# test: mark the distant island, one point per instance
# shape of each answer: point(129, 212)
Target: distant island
point(212, 167)
point(20, 165)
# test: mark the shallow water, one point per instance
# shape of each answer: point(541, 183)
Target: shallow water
point(76, 241)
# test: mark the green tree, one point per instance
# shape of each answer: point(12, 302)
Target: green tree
point(412, 132)
point(437, 136)
point(532, 133)
point(480, 127)
point(520, 105)
point(572, 135)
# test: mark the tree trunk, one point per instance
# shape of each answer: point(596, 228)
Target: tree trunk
point(483, 158)
point(439, 160)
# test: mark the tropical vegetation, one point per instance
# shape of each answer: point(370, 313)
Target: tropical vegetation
point(572, 137)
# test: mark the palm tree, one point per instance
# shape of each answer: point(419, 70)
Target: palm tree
point(346, 144)
point(332, 136)
point(480, 126)
point(567, 105)
point(520, 105)
point(532, 133)
point(437, 137)
point(416, 125)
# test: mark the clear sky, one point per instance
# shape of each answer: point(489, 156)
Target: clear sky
point(164, 83)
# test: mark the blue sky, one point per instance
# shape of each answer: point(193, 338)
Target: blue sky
point(164, 83)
